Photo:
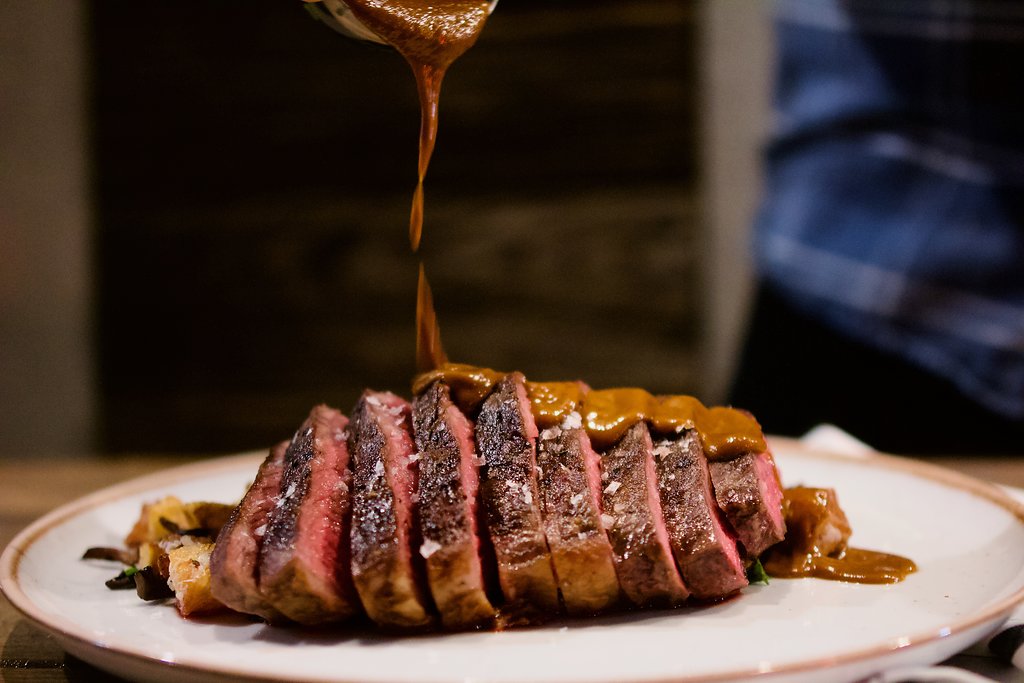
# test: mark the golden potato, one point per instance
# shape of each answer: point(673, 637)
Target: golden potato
point(189, 578)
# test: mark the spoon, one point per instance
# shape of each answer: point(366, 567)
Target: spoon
point(337, 15)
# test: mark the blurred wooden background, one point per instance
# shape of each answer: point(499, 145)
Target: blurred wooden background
point(253, 173)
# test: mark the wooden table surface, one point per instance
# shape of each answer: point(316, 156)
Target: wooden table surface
point(30, 488)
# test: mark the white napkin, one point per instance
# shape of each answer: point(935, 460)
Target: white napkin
point(976, 663)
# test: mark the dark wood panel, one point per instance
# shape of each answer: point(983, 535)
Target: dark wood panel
point(254, 173)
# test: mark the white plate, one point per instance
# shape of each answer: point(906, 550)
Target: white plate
point(966, 537)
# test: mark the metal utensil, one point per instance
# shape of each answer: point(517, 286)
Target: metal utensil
point(337, 15)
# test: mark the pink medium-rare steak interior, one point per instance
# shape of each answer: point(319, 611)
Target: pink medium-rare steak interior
point(704, 547)
point(506, 440)
point(748, 492)
point(447, 499)
point(570, 486)
point(384, 529)
point(234, 563)
point(636, 527)
point(304, 562)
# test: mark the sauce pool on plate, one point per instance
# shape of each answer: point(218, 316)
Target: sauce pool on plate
point(816, 544)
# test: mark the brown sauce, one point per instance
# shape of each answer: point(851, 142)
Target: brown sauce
point(552, 401)
point(816, 544)
point(608, 413)
point(855, 565)
point(429, 351)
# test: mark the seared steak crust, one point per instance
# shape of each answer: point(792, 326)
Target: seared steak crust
point(748, 492)
point(643, 557)
point(383, 524)
point(704, 548)
point(570, 485)
point(234, 564)
point(448, 484)
point(304, 563)
point(506, 438)
point(557, 526)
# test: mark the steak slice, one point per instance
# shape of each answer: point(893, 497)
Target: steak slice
point(570, 486)
point(506, 438)
point(234, 564)
point(748, 492)
point(304, 563)
point(639, 539)
point(704, 547)
point(383, 526)
point(448, 484)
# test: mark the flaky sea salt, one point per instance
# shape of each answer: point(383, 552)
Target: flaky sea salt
point(576, 500)
point(289, 492)
point(374, 401)
point(572, 421)
point(612, 487)
point(607, 521)
point(415, 457)
point(429, 547)
point(479, 461)
point(527, 494)
point(550, 433)
point(260, 530)
point(661, 451)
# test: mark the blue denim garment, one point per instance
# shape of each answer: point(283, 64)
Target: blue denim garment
point(894, 203)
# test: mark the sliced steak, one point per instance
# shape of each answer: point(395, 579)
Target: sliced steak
point(506, 437)
point(383, 526)
point(234, 564)
point(570, 485)
point(448, 484)
point(704, 547)
point(304, 563)
point(640, 542)
point(748, 492)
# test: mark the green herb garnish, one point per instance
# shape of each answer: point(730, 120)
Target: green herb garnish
point(756, 573)
point(122, 581)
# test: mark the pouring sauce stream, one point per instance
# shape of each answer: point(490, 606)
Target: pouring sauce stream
point(430, 34)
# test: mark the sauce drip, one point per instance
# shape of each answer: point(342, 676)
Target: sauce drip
point(430, 34)
point(608, 413)
point(429, 351)
point(816, 544)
